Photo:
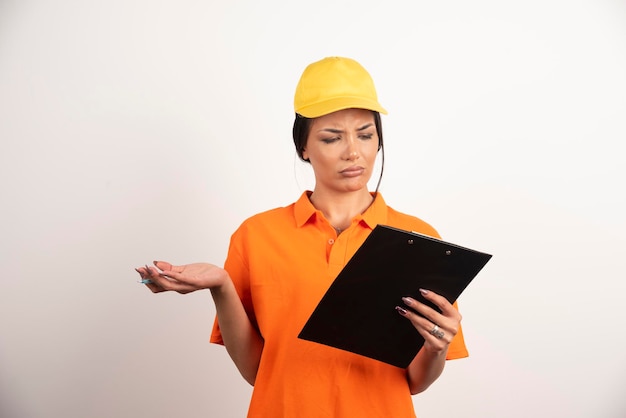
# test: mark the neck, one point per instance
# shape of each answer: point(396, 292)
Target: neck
point(340, 208)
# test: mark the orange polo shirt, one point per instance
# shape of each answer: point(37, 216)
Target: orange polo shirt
point(282, 262)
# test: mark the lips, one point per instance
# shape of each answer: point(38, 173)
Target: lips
point(352, 171)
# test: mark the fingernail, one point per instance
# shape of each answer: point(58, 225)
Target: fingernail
point(424, 292)
point(407, 300)
point(401, 310)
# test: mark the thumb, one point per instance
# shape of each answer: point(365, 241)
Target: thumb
point(163, 265)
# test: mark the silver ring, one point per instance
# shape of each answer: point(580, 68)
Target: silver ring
point(437, 332)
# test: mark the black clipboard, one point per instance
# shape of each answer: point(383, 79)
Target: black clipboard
point(358, 314)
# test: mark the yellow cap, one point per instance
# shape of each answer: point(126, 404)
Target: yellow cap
point(332, 84)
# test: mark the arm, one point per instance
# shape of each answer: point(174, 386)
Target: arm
point(428, 365)
point(242, 340)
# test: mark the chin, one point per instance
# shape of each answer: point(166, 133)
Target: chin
point(356, 187)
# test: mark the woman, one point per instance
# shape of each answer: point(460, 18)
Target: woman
point(281, 262)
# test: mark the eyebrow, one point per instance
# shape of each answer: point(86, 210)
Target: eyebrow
point(338, 131)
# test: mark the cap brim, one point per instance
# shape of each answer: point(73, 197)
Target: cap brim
point(333, 105)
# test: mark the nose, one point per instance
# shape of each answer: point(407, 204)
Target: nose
point(352, 152)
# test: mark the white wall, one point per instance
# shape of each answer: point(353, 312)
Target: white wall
point(134, 130)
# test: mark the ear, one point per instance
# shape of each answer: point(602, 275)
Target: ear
point(305, 155)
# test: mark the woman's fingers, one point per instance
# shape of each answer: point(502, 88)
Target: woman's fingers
point(182, 279)
point(437, 339)
point(442, 303)
point(157, 282)
point(161, 282)
point(171, 272)
point(437, 329)
point(163, 265)
point(447, 311)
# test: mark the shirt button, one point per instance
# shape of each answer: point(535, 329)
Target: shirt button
point(331, 241)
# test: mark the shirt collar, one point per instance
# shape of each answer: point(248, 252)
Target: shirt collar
point(304, 211)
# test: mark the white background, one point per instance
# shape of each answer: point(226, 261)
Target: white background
point(134, 130)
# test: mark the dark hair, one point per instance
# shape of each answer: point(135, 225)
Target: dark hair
point(302, 127)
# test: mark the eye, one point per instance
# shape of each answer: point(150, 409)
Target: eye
point(366, 136)
point(330, 140)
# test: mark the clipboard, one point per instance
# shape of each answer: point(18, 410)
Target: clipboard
point(357, 313)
